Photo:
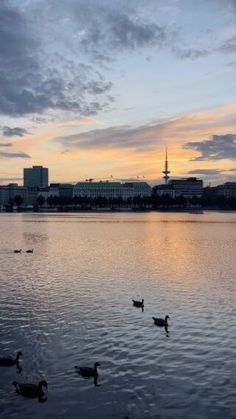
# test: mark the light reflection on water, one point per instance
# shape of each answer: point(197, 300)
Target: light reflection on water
point(70, 304)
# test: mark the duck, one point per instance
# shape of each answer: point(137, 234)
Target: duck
point(8, 361)
point(138, 303)
point(161, 322)
point(17, 250)
point(88, 371)
point(30, 251)
point(32, 390)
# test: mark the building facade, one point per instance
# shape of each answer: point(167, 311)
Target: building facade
point(187, 187)
point(228, 190)
point(112, 189)
point(36, 177)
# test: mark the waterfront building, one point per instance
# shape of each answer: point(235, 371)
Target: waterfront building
point(187, 187)
point(36, 177)
point(228, 190)
point(10, 191)
point(161, 190)
point(112, 189)
point(135, 189)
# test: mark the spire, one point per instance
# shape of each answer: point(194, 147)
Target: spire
point(166, 171)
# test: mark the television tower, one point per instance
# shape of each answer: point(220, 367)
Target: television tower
point(166, 171)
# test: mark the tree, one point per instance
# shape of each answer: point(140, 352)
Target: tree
point(40, 200)
point(18, 200)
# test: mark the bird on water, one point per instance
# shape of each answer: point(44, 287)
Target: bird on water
point(30, 251)
point(137, 303)
point(161, 322)
point(8, 361)
point(88, 371)
point(17, 250)
point(32, 390)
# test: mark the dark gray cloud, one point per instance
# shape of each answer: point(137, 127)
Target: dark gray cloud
point(140, 138)
point(16, 155)
point(210, 172)
point(28, 85)
point(217, 148)
point(104, 28)
point(5, 144)
point(14, 132)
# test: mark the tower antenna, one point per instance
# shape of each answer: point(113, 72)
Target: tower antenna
point(166, 172)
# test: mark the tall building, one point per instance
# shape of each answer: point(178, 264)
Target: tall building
point(36, 177)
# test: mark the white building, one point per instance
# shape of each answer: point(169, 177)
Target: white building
point(112, 189)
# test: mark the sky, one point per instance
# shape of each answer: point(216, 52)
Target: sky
point(99, 88)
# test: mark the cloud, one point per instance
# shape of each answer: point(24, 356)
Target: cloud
point(149, 137)
point(217, 148)
point(5, 144)
point(117, 137)
point(16, 155)
point(29, 84)
point(210, 172)
point(191, 53)
point(104, 28)
point(9, 179)
point(14, 132)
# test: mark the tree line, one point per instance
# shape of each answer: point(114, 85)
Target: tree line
point(165, 202)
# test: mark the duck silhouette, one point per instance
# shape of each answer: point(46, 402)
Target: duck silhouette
point(17, 250)
point(32, 390)
point(30, 251)
point(87, 372)
point(137, 303)
point(161, 322)
point(8, 361)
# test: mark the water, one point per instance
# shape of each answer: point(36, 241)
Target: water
point(69, 303)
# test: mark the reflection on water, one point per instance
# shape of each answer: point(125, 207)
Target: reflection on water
point(70, 303)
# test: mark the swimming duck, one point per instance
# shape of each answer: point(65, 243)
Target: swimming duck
point(161, 322)
point(138, 303)
point(88, 371)
point(17, 250)
point(30, 251)
point(8, 361)
point(32, 390)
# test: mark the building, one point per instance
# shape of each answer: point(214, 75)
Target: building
point(162, 190)
point(9, 192)
point(135, 189)
point(112, 189)
point(228, 190)
point(187, 187)
point(36, 177)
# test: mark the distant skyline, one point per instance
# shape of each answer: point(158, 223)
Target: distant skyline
point(94, 88)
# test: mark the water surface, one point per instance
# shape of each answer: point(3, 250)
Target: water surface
point(69, 303)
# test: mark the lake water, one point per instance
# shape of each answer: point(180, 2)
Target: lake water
point(69, 303)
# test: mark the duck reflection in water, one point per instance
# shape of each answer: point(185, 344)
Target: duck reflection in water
point(88, 372)
point(139, 304)
point(33, 390)
point(9, 361)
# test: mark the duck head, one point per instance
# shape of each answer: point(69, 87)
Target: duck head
point(42, 384)
point(97, 364)
point(18, 355)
